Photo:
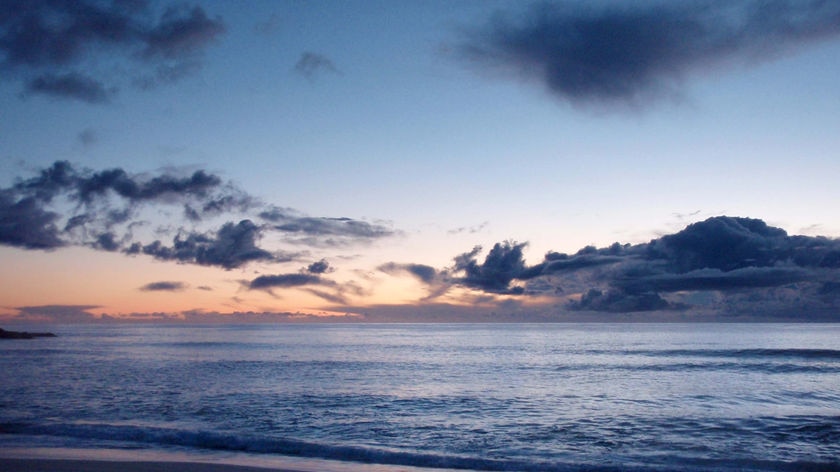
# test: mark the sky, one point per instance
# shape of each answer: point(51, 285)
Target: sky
point(419, 160)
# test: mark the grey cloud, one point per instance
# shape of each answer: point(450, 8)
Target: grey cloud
point(323, 230)
point(57, 313)
point(72, 85)
point(620, 53)
point(311, 64)
point(617, 301)
point(106, 242)
point(503, 264)
point(742, 261)
point(715, 279)
point(723, 243)
point(88, 137)
point(181, 32)
point(232, 246)
point(269, 26)
point(164, 286)
point(423, 272)
point(26, 224)
point(119, 182)
point(63, 205)
point(319, 267)
point(43, 41)
point(285, 281)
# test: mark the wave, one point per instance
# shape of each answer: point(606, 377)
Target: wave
point(804, 354)
point(229, 442)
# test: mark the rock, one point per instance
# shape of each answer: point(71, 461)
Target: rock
point(23, 335)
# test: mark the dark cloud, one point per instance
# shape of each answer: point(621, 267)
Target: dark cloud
point(425, 273)
point(628, 53)
point(106, 242)
point(63, 205)
point(164, 286)
point(723, 243)
point(181, 33)
point(26, 224)
point(617, 301)
point(232, 246)
point(319, 267)
point(743, 262)
point(503, 264)
point(311, 64)
point(264, 282)
point(44, 41)
point(57, 313)
point(72, 85)
point(323, 231)
point(714, 279)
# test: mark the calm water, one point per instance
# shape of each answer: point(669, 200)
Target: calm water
point(486, 397)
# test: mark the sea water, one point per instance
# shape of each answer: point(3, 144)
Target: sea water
point(536, 397)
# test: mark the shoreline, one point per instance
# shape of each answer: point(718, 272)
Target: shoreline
point(91, 465)
point(60, 459)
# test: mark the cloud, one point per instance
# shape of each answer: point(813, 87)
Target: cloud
point(319, 267)
point(57, 313)
point(723, 264)
point(67, 206)
point(164, 286)
point(71, 85)
point(46, 43)
point(264, 282)
point(25, 224)
point(232, 246)
point(269, 26)
point(312, 64)
point(628, 54)
point(88, 137)
point(423, 272)
point(503, 264)
point(315, 284)
point(323, 231)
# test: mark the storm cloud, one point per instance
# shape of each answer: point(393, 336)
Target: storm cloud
point(630, 53)
point(47, 43)
point(104, 210)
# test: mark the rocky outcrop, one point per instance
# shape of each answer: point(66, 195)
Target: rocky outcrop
point(23, 335)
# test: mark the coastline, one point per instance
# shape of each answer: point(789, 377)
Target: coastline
point(60, 459)
point(90, 465)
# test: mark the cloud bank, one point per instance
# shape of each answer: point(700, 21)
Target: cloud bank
point(628, 54)
point(105, 210)
point(47, 45)
point(721, 265)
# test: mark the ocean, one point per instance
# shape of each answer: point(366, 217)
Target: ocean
point(490, 397)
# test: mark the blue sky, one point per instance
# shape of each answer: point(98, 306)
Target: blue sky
point(439, 126)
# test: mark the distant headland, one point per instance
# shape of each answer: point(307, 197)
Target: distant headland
point(23, 335)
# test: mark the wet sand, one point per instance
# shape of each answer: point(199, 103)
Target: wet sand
point(76, 465)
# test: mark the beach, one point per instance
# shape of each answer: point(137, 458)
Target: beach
point(78, 465)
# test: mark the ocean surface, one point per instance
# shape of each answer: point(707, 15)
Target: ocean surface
point(518, 397)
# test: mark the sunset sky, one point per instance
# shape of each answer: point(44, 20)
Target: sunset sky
point(192, 159)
